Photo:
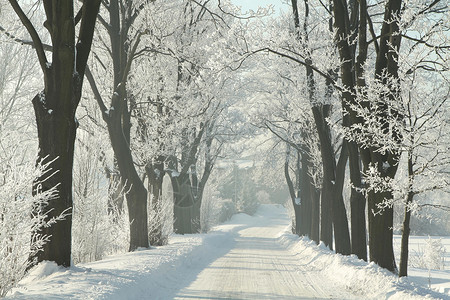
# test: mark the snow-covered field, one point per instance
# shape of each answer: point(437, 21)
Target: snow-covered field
point(161, 273)
point(418, 270)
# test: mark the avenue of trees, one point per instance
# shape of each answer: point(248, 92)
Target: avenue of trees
point(357, 70)
point(108, 107)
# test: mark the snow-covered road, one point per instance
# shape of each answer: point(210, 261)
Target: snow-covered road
point(258, 267)
point(245, 258)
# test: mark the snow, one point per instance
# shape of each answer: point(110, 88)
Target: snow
point(179, 270)
point(439, 279)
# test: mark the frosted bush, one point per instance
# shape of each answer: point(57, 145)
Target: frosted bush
point(210, 210)
point(97, 231)
point(160, 216)
point(430, 256)
point(434, 254)
point(99, 228)
point(21, 218)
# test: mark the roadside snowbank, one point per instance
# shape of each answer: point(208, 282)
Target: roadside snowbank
point(361, 278)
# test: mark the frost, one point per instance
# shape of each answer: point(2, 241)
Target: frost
point(50, 111)
point(298, 201)
point(75, 59)
point(48, 65)
point(41, 96)
point(108, 111)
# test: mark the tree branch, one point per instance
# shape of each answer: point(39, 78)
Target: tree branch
point(97, 95)
point(33, 33)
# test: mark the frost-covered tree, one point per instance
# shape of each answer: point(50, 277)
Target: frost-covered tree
point(374, 94)
point(55, 106)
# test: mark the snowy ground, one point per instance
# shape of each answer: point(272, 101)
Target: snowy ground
point(255, 257)
point(418, 270)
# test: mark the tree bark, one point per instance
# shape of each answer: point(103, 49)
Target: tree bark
point(56, 133)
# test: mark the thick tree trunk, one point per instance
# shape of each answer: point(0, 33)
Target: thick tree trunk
point(55, 112)
point(137, 211)
point(380, 232)
point(56, 132)
point(186, 216)
point(328, 165)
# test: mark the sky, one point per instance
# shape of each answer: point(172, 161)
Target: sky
point(253, 4)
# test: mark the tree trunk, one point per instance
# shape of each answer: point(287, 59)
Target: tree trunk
point(380, 232)
point(406, 226)
point(295, 198)
point(305, 196)
point(185, 206)
point(137, 210)
point(332, 203)
point(136, 194)
point(56, 132)
point(55, 112)
point(315, 214)
point(380, 225)
point(358, 205)
point(406, 229)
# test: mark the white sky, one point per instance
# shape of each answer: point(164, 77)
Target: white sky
point(253, 4)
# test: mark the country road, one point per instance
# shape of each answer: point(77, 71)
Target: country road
point(258, 267)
